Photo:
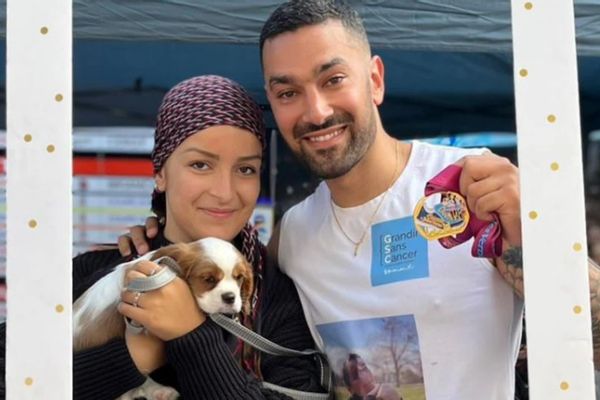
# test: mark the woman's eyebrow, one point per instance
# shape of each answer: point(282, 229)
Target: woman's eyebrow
point(217, 157)
point(203, 152)
point(250, 158)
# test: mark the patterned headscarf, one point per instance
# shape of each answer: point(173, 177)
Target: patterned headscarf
point(199, 103)
point(196, 104)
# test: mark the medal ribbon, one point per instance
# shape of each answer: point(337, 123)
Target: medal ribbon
point(488, 235)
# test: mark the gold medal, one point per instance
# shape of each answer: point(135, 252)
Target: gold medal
point(441, 215)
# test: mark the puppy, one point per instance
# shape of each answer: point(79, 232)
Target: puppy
point(218, 274)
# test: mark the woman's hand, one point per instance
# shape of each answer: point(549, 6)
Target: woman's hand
point(168, 312)
point(146, 350)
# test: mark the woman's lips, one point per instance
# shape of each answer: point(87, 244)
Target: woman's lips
point(218, 212)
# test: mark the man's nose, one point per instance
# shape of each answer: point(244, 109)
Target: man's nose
point(317, 108)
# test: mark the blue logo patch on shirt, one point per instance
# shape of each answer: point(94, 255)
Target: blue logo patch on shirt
point(399, 252)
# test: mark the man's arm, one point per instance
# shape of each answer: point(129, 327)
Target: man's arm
point(510, 266)
point(594, 276)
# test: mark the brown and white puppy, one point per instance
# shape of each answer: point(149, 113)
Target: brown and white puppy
point(219, 276)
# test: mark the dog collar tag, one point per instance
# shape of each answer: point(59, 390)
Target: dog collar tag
point(441, 215)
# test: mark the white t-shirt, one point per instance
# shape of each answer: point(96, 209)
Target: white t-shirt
point(433, 320)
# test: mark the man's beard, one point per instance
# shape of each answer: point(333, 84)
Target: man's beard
point(334, 162)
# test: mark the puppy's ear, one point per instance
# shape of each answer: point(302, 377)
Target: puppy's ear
point(247, 286)
point(175, 251)
point(189, 257)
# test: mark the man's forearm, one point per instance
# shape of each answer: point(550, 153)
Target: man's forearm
point(510, 266)
point(594, 276)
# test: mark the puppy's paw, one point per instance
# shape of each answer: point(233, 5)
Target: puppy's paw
point(164, 393)
point(155, 391)
point(151, 390)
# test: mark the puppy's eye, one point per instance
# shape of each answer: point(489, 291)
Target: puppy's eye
point(210, 280)
point(239, 278)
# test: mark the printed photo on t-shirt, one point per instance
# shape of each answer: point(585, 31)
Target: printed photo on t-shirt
point(375, 359)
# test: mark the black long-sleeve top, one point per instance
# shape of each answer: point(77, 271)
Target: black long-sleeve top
point(200, 364)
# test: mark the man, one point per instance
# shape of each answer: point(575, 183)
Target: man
point(350, 247)
point(445, 321)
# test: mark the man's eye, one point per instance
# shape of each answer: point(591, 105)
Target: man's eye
point(288, 94)
point(335, 80)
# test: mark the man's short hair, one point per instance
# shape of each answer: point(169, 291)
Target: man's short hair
point(296, 14)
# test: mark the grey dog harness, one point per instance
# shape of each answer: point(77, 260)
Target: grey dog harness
point(166, 275)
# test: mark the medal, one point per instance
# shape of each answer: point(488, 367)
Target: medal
point(441, 215)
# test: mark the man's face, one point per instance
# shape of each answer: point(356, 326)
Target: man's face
point(323, 89)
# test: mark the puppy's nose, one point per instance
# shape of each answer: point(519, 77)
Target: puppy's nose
point(228, 298)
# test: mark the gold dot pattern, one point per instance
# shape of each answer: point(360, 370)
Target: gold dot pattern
point(29, 381)
point(59, 308)
point(523, 72)
point(32, 223)
point(564, 385)
point(577, 246)
point(533, 214)
point(551, 118)
point(554, 166)
point(50, 148)
point(528, 6)
point(577, 309)
point(44, 30)
point(58, 97)
point(28, 138)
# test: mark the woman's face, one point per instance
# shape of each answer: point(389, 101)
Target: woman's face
point(212, 183)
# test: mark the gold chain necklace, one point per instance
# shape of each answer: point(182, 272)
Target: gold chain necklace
point(364, 234)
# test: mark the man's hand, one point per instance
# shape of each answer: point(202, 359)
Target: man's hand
point(168, 312)
point(138, 237)
point(490, 184)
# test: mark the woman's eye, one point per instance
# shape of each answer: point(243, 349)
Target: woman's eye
point(199, 165)
point(246, 170)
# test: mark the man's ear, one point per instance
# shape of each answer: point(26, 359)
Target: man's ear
point(377, 80)
point(160, 180)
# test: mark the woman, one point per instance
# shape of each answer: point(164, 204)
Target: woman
point(361, 382)
point(207, 157)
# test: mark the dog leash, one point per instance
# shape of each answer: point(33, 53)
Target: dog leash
point(167, 275)
point(488, 235)
point(161, 278)
point(266, 346)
